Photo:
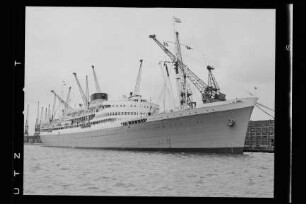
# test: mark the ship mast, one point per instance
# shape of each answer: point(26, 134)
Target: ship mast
point(184, 90)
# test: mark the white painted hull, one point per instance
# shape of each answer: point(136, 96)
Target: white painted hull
point(200, 129)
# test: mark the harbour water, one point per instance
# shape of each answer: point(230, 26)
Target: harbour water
point(94, 172)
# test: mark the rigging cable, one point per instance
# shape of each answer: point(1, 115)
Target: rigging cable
point(263, 110)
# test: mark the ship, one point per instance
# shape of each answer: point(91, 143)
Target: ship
point(216, 125)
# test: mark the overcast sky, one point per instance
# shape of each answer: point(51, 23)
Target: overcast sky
point(239, 43)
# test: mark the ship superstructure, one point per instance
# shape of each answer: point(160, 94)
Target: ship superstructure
point(132, 122)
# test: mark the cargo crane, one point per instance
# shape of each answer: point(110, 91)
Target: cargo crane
point(85, 101)
point(212, 88)
point(98, 88)
point(197, 82)
point(137, 85)
point(67, 107)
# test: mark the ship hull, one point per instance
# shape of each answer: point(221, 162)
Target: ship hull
point(206, 131)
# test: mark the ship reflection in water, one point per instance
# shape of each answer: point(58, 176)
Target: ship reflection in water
point(71, 171)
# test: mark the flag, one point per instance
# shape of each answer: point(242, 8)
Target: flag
point(176, 20)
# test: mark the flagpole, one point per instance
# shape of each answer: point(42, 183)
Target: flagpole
point(173, 27)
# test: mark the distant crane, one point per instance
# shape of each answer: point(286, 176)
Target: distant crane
point(46, 115)
point(41, 116)
point(98, 89)
point(26, 128)
point(85, 101)
point(197, 82)
point(49, 114)
point(137, 85)
point(37, 122)
point(62, 101)
point(53, 108)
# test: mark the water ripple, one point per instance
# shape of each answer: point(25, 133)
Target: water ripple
point(64, 171)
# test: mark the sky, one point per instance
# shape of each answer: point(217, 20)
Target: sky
point(239, 43)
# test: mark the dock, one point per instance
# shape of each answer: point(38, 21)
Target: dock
point(32, 139)
point(260, 136)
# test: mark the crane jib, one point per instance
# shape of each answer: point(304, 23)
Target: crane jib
point(199, 84)
point(196, 81)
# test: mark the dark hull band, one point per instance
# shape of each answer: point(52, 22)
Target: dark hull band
point(229, 150)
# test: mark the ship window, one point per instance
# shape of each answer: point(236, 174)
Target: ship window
point(116, 105)
point(123, 105)
point(120, 105)
point(134, 105)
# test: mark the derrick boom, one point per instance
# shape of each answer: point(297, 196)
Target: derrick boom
point(98, 88)
point(85, 101)
point(62, 101)
point(68, 95)
point(137, 85)
point(87, 90)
